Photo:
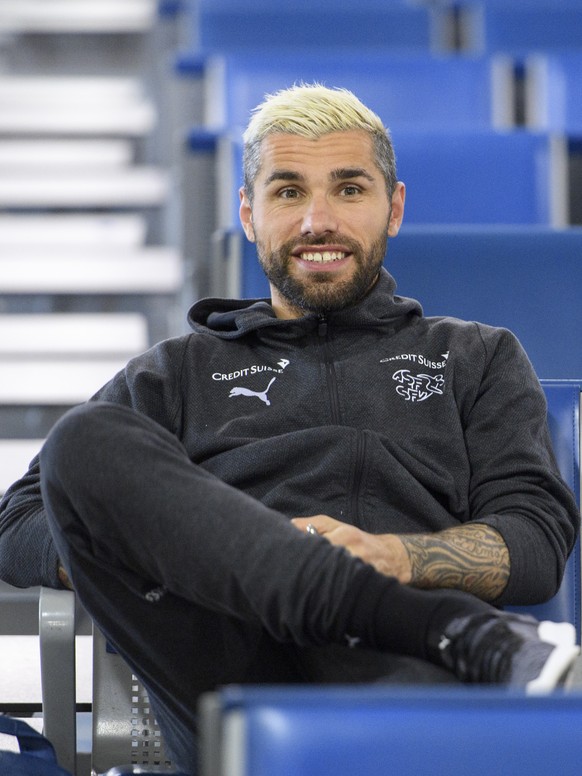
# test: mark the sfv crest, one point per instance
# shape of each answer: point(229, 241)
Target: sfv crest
point(417, 387)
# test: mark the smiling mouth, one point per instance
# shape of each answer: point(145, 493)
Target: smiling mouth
point(323, 257)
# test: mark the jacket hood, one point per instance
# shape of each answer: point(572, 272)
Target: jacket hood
point(233, 318)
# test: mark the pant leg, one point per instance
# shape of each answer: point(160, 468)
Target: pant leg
point(122, 488)
point(155, 546)
point(109, 543)
point(336, 664)
point(179, 650)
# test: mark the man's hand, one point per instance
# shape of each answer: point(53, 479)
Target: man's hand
point(386, 552)
point(470, 557)
point(64, 578)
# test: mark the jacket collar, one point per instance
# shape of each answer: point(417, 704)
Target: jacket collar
point(233, 318)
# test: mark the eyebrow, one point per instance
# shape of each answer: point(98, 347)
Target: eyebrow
point(340, 174)
point(345, 173)
point(283, 175)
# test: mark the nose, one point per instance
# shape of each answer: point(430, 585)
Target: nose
point(319, 217)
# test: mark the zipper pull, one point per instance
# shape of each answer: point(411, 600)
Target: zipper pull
point(322, 326)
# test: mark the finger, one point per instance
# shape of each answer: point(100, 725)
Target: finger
point(321, 523)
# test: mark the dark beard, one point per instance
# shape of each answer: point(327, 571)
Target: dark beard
point(322, 293)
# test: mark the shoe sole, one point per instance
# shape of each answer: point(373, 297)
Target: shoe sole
point(563, 636)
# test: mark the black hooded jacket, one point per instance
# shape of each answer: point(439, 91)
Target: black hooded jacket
point(375, 415)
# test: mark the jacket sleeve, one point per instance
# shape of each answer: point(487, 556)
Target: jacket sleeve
point(516, 487)
point(27, 553)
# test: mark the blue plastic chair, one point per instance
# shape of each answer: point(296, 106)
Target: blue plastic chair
point(482, 177)
point(522, 26)
point(229, 25)
point(406, 90)
point(375, 731)
point(528, 279)
point(554, 91)
point(563, 399)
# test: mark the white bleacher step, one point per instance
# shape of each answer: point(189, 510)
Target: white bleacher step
point(26, 334)
point(129, 120)
point(15, 457)
point(67, 153)
point(55, 381)
point(77, 16)
point(75, 105)
point(132, 187)
point(58, 91)
point(78, 229)
point(148, 270)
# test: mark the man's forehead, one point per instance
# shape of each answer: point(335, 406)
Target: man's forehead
point(332, 151)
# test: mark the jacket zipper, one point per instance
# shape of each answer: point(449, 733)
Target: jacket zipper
point(330, 375)
point(358, 477)
point(332, 386)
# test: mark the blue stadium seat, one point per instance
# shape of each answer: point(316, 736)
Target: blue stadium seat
point(230, 25)
point(527, 279)
point(481, 177)
point(406, 90)
point(554, 91)
point(563, 397)
point(382, 731)
point(522, 26)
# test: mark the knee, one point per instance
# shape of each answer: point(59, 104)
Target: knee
point(80, 440)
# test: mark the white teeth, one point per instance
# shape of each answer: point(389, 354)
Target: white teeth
point(324, 256)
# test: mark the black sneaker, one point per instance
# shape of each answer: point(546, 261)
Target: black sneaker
point(511, 649)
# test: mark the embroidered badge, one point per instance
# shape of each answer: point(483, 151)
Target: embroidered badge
point(417, 387)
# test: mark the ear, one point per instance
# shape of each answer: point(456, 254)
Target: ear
point(397, 211)
point(246, 215)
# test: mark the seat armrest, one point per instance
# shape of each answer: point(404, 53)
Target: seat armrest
point(57, 668)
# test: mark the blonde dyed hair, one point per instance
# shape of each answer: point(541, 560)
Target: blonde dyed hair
point(313, 110)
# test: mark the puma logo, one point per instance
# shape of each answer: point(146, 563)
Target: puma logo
point(262, 395)
point(352, 641)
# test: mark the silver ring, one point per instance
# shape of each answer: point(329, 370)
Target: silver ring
point(311, 529)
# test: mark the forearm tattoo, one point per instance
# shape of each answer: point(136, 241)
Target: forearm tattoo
point(473, 558)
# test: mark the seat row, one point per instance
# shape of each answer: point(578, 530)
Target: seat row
point(460, 153)
point(384, 731)
point(525, 278)
point(470, 25)
point(453, 91)
point(477, 25)
point(232, 57)
point(481, 177)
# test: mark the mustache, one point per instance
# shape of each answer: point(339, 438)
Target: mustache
point(324, 239)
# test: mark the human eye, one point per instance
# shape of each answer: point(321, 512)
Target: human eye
point(288, 193)
point(350, 190)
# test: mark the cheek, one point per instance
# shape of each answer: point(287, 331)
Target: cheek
point(273, 231)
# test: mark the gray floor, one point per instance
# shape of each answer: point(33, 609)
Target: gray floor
point(20, 686)
point(20, 669)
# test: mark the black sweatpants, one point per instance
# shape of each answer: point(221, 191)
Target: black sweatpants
point(197, 584)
